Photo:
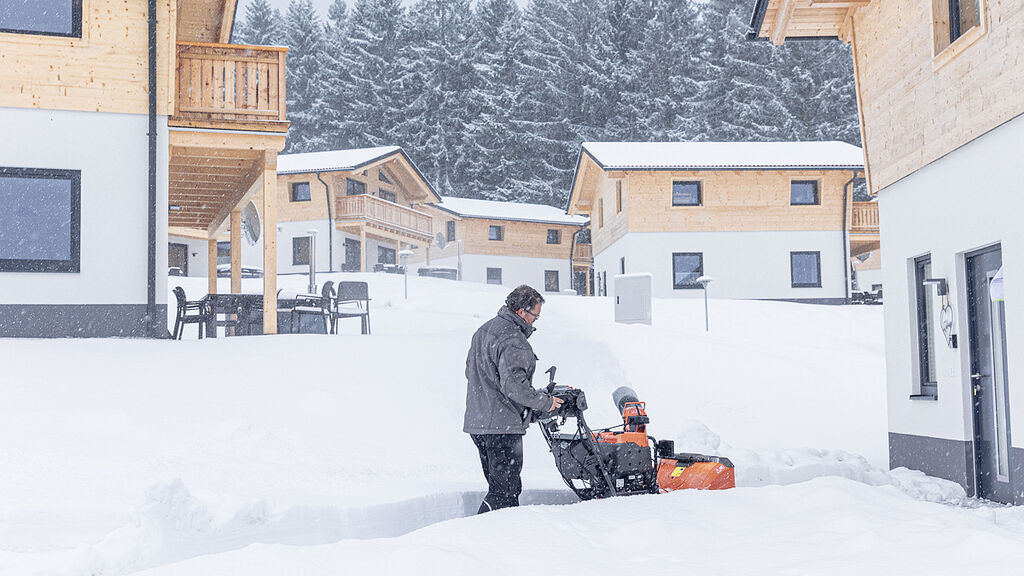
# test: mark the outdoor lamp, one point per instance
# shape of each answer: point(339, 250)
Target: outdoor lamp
point(704, 281)
point(404, 255)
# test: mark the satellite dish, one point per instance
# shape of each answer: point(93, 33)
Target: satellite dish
point(251, 225)
point(440, 240)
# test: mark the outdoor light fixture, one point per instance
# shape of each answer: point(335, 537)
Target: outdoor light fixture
point(704, 281)
point(941, 287)
point(312, 261)
point(404, 255)
point(946, 314)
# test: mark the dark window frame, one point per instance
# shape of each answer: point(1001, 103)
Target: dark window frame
point(76, 25)
point(294, 197)
point(695, 285)
point(449, 231)
point(382, 176)
point(386, 255)
point(700, 192)
point(817, 193)
point(618, 196)
point(296, 244)
point(956, 29)
point(792, 269)
point(546, 285)
point(557, 236)
point(73, 264)
point(925, 325)
point(622, 265)
point(387, 195)
point(488, 275)
point(351, 183)
point(499, 237)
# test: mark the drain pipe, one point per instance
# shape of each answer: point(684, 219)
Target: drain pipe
point(572, 251)
point(846, 242)
point(151, 310)
point(330, 226)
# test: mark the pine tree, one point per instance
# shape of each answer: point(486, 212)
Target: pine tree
point(305, 38)
point(262, 26)
point(331, 105)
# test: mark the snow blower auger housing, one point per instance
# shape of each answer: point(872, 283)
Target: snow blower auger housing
point(618, 461)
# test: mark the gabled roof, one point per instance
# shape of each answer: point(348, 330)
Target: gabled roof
point(495, 210)
point(345, 161)
point(724, 155)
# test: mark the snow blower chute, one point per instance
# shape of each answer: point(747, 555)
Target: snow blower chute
point(618, 461)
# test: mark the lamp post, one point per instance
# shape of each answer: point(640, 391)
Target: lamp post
point(404, 255)
point(704, 281)
point(312, 260)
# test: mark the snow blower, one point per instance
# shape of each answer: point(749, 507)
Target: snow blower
point(618, 461)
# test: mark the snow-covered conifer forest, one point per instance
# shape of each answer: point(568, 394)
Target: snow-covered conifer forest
point(492, 100)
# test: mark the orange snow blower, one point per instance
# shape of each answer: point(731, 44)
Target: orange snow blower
point(618, 461)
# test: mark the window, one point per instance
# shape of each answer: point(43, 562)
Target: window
point(354, 187)
point(963, 15)
point(554, 236)
point(803, 192)
point(959, 22)
point(385, 195)
point(43, 17)
point(686, 268)
point(551, 280)
point(600, 212)
point(223, 253)
point(925, 325)
point(449, 230)
point(496, 233)
point(686, 194)
point(385, 255)
point(618, 196)
point(494, 275)
point(805, 269)
point(300, 250)
point(622, 265)
point(383, 177)
point(300, 191)
point(40, 220)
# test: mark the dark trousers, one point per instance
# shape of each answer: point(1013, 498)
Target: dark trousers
point(501, 456)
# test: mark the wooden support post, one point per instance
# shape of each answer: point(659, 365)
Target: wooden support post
point(270, 242)
point(211, 267)
point(587, 275)
point(428, 254)
point(236, 251)
point(362, 249)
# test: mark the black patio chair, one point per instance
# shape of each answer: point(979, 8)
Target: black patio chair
point(353, 302)
point(310, 305)
point(194, 312)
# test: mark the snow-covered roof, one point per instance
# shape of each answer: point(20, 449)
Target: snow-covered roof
point(332, 159)
point(496, 210)
point(705, 155)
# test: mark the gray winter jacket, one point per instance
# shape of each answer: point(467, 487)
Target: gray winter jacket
point(499, 371)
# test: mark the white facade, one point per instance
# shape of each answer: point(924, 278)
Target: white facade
point(752, 265)
point(515, 270)
point(111, 151)
point(967, 200)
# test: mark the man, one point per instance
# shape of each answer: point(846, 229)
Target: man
point(500, 395)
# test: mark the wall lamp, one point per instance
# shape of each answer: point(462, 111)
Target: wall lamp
point(941, 288)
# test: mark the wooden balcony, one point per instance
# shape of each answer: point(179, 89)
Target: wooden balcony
point(230, 87)
point(383, 217)
point(582, 255)
point(864, 219)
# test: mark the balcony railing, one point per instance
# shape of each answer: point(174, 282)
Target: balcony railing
point(583, 254)
point(864, 219)
point(230, 83)
point(374, 210)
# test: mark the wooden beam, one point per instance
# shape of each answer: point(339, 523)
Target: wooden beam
point(838, 3)
point(236, 251)
point(250, 184)
point(211, 265)
point(269, 185)
point(187, 232)
point(227, 20)
point(782, 17)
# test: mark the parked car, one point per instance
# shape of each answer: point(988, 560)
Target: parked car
point(224, 271)
point(175, 271)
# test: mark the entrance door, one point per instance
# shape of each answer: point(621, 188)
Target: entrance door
point(177, 257)
point(988, 378)
point(352, 248)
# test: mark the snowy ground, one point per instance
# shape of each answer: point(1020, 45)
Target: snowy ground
point(307, 454)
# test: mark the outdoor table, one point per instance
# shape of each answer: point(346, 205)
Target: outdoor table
point(243, 306)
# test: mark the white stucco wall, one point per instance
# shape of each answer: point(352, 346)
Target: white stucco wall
point(969, 199)
point(515, 270)
point(111, 150)
point(743, 264)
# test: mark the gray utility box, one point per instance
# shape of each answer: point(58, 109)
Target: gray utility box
point(633, 298)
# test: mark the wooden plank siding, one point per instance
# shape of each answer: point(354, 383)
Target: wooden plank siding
point(106, 70)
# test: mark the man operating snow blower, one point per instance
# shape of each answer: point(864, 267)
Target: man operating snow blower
point(500, 397)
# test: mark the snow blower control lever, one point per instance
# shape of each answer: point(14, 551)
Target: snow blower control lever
point(618, 461)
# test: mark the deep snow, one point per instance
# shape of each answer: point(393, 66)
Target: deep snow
point(123, 455)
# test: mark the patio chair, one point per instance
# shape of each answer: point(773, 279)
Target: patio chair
point(310, 305)
point(194, 312)
point(354, 302)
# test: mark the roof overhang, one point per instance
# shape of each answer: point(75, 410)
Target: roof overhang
point(781, 20)
point(370, 162)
